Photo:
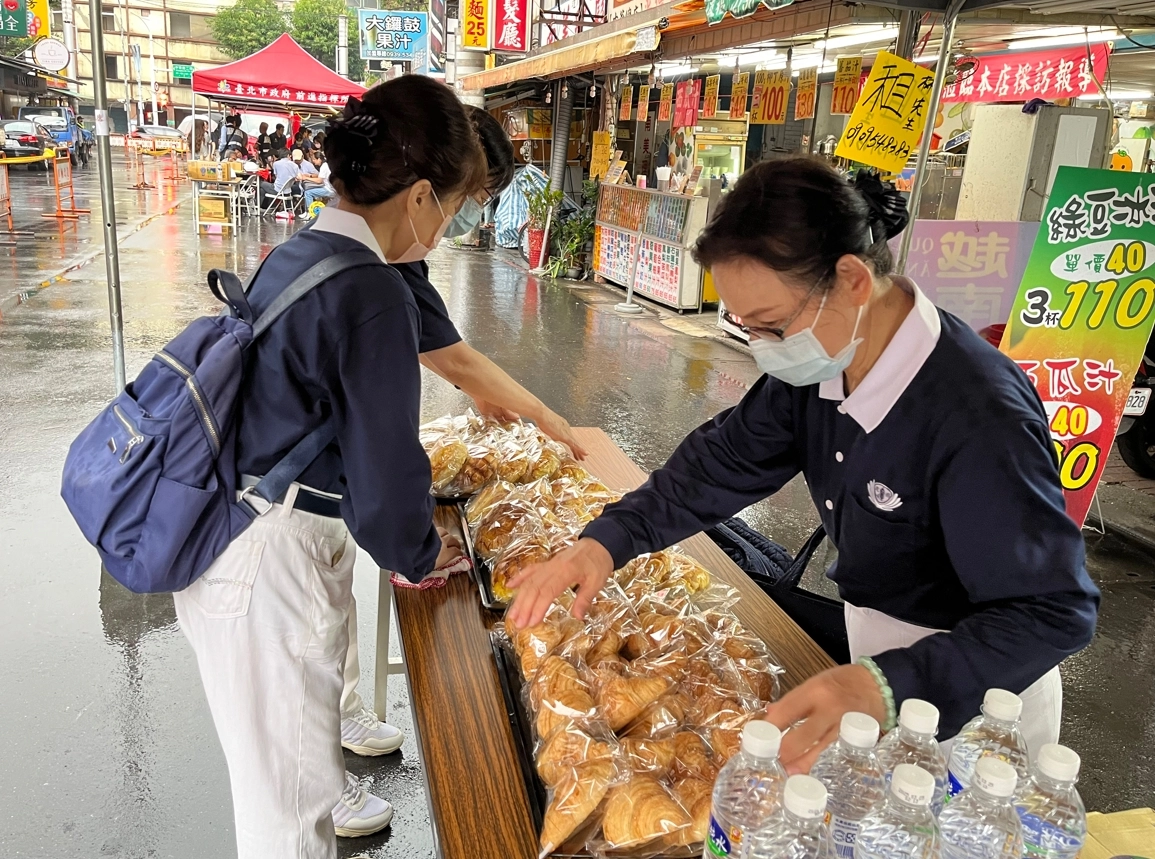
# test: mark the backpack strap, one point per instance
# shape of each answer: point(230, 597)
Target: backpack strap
point(801, 560)
point(276, 482)
point(226, 286)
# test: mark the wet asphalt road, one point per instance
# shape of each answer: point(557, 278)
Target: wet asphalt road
point(106, 745)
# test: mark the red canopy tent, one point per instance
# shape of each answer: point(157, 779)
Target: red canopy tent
point(284, 74)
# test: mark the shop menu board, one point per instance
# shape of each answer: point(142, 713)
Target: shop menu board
point(666, 217)
point(614, 253)
point(623, 206)
point(659, 271)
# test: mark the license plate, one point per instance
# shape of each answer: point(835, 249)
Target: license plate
point(1137, 401)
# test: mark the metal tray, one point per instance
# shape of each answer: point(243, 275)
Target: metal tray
point(481, 570)
point(510, 679)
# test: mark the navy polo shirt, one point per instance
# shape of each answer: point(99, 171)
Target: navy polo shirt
point(437, 329)
point(346, 350)
point(935, 479)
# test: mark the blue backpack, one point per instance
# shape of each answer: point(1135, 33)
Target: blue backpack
point(152, 481)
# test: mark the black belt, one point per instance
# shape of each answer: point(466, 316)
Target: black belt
point(307, 500)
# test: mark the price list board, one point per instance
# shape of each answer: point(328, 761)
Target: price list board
point(614, 252)
point(666, 217)
point(623, 207)
point(659, 271)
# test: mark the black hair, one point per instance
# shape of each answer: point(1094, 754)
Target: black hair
point(498, 149)
point(799, 216)
point(403, 130)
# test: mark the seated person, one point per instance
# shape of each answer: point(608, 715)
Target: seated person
point(286, 173)
point(315, 180)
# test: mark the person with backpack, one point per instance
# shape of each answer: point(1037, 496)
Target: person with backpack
point(243, 492)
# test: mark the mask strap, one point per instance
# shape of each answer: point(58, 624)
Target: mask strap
point(854, 333)
point(821, 305)
point(417, 238)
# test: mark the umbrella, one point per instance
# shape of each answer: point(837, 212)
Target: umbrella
point(186, 124)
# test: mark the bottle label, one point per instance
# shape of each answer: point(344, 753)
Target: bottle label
point(1041, 838)
point(843, 834)
point(718, 842)
point(963, 760)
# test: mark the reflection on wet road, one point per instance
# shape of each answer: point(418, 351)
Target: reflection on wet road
point(106, 746)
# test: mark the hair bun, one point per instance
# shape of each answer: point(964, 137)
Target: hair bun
point(887, 205)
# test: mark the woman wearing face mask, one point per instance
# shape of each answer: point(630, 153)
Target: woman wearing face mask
point(927, 454)
point(268, 619)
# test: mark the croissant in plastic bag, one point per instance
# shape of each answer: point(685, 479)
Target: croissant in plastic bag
point(559, 696)
point(665, 714)
point(621, 699)
point(694, 794)
point(692, 757)
point(517, 556)
point(533, 644)
point(641, 810)
point(645, 754)
point(483, 501)
point(567, 749)
point(496, 527)
point(574, 799)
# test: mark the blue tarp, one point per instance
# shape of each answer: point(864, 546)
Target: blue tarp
point(512, 209)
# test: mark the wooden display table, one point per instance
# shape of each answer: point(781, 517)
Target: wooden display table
point(478, 805)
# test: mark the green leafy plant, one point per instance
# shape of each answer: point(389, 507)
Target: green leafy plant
point(248, 26)
point(541, 202)
point(315, 27)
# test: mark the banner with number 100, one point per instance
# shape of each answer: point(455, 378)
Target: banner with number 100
point(1083, 315)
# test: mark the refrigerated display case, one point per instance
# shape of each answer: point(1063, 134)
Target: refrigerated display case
point(643, 237)
point(720, 147)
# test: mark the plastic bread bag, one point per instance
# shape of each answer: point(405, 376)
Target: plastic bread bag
point(528, 545)
point(640, 815)
point(573, 470)
point(545, 458)
point(447, 456)
point(573, 808)
point(513, 462)
point(478, 469)
point(571, 746)
point(464, 426)
point(653, 755)
point(558, 696)
point(622, 696)
point(495, 528)
point(693, 757)
point(491, 494)
point(663, 717)
point(688, 572)
point(696, 796)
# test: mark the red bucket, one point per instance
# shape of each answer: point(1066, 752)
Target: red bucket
point(536, 238)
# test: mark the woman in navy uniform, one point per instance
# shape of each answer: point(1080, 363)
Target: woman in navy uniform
point(267, 621)
point(926, 451)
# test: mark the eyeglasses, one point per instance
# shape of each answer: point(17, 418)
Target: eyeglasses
point(764, 333)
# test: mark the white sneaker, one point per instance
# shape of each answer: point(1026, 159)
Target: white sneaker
point(364, 734)
point(360, 812)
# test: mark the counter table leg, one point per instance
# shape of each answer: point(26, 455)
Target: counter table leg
point(384, 664)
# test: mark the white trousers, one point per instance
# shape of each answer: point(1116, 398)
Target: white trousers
point(268, 623)
point(351, 700)
point(871, 632)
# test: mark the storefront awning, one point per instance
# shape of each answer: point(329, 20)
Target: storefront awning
point(570, 60)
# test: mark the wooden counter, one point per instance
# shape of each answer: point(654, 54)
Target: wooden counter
point(477, 798)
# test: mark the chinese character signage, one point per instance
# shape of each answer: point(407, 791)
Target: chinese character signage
point(758, 100)
point(39, 19)
point(511, 26)
point(807, 94)
point(716, 10)
point(846, 81)
point(686, 103)
point(771, 90)
point(710, 102)
point(600, 155)
point(970, 268)
point(666, 104)
point(739, 87)
point(14, 18)
point(643, 103)
point(627, 103)
point(397, 36)
point(1062, 73)
point(475, 24)
point(1083, 315)
point(890, 115)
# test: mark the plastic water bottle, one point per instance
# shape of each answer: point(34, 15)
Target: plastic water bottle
point(799, 832)
point(981, 822)
point(748, 791)
point(905, 827)
point(853, 777)
point(993, 734)
point(913, 742)
point(1054, 820)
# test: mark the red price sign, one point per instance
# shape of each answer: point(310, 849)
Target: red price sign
point(846, 85)
point(804, 99)
point(777, 94)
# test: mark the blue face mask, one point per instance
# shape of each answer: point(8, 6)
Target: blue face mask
point(466, 219)
point(800, 360)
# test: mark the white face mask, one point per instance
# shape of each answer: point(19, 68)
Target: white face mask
point(799, 359)
point(418, 251)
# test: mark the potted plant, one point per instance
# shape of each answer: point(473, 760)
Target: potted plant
point(541, 202)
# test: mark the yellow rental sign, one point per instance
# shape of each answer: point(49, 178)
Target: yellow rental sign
point(475, 24)
point(890, 115)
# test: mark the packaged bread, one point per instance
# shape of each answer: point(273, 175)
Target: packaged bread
point(692, 757)
point(518, 556)
point(573, 799)
point(447, 455)
point(480, 504)
point(639, 811)
point(689, 573)
point(694, 795)
point(533, 644)
point(663, 716)
point(572, 470)
point(496, 527)
point(477, 470)
point(546, 458)
point(513, 461)
point(648, 754)
point(559, 696)
point(566, 750)
point(621, 699)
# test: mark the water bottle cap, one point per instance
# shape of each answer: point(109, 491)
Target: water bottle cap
point(998, 778)
point(761, 739)
point(919, 716)
point(859, 730)
point(912, 784)
point(1058, 762)
point(805, 796)
point(1003, 705)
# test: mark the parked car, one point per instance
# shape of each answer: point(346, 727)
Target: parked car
point(61, 124)
point(158, 133)
point(24, 138)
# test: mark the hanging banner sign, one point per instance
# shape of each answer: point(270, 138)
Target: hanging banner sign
point(739, 88)
point(686, 103)
point(777, 94)
point(758, 99)
point(14, 18)
point(626, 108)
point(716, 10)
point(600, 155)
point(710, 102)
point(643, 103)
point(846, 86)
point(475, 25)
point(890, 115)
point(398, 36)
point(666, 104)
point(1083, 315)
point(39, 20)
point(511, 26)
point(1022, 76)
point(807, 94)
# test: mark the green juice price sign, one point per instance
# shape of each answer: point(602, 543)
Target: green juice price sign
point(1083, 314)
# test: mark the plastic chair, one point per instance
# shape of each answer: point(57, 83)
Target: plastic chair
point(285, 199)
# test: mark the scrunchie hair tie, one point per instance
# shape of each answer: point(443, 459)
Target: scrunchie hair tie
point(887, 206)
point(363, 127)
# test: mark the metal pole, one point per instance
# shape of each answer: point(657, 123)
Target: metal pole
point(152, 74)
point(908, 25)
point(67, 14)
point(948, 23)
point(343, 45)
point(107, 205)
point(139, 88)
